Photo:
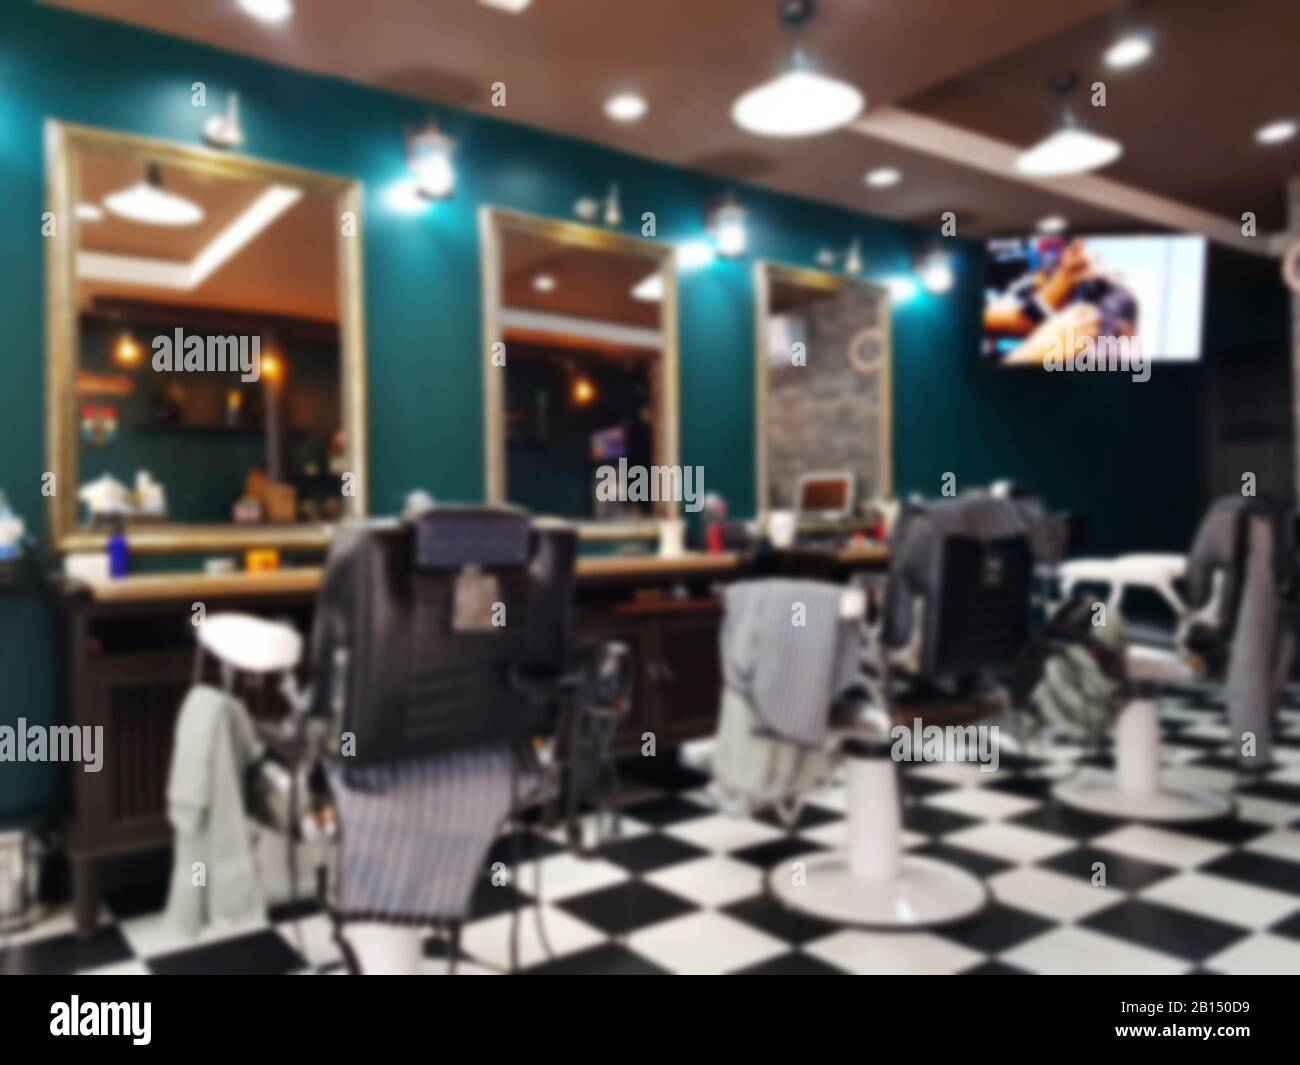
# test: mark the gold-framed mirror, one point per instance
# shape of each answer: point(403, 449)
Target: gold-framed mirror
point(823, 392)
point(205, 377)
point(579, 368)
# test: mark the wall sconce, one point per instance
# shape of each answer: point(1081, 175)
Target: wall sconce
point(126, 350)
point(607, 209)
point(428, 154)
point(224, 131)
point(935, 271)
point(851, 258)
point(728, 225)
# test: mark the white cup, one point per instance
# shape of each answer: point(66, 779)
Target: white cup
point(672, 538)
point(781, 527)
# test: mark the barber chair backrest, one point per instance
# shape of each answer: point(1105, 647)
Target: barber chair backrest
point(959, 586)
point(1221, 549)
point(421, 625)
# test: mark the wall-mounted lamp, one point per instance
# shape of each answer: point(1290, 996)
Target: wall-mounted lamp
point(606, 208)
point(727, 221)
point(584, 392)
point(126, 350)
point(851, 258)
point(935, 271)
point(428, 154)
point(224, 131)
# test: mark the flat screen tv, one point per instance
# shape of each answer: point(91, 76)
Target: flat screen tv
point(1148, 288)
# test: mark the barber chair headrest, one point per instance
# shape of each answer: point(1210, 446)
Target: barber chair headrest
point(456, 537)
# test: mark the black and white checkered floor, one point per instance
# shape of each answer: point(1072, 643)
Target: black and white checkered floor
point(682, 892)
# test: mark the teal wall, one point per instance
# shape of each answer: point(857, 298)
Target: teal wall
point(1103, 446)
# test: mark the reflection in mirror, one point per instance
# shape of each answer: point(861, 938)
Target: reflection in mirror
point(824, 393)
point(207, 381)
point(585, 371)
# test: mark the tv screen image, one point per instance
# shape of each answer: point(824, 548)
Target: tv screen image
point(1149, 289)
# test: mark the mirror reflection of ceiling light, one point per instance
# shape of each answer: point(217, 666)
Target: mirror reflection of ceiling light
point(150, 204)
point(626, 107)
point(544, 283)
point(649, 289)
point(882, 177)
point(1069, 149)
point(89, 212)
point(1276, 132)
point(800, 102)
point(186, 276)
point(1128, 51)
point(512, 6)
point(267, 10)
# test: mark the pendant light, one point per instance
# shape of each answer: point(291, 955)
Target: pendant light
point(1070, 149)
point(800, 102)
point(149, 203)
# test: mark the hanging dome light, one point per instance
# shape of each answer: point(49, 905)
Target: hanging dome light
point(149, 203)
point(1069, 149)
point(799, 102)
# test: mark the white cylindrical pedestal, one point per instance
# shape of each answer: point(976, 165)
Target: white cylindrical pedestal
point(1137, 748)
point(874, 883)
point(875, 839)
point(1134, 791)
point(386, 949)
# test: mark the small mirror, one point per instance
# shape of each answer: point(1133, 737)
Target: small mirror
point(823, 367)
point(585, 378)
point(209, 377)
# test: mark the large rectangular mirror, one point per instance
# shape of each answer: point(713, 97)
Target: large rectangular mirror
point(823, 392)
point(206, 374)
point(580, 368)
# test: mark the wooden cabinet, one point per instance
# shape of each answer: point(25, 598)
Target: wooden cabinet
point(674, 647)
point(690, 680)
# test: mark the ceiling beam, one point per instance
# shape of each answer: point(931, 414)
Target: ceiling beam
point(965, 148)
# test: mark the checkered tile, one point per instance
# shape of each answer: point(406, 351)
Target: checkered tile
point(682, 890)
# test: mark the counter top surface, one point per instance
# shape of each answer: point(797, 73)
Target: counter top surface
point(305, 580)
point(144, 587)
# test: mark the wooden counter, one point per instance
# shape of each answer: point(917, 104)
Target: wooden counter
point(127, 651)
point(203, 587)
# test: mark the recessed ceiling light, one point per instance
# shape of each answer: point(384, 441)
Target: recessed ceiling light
point(1129, 51)
point(1276, 132)
point(267, 10)
point(513, 6)
point(88, 212)
point(626, 107)
point(544, 283)
point(882, 177)
point(1053, 223)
